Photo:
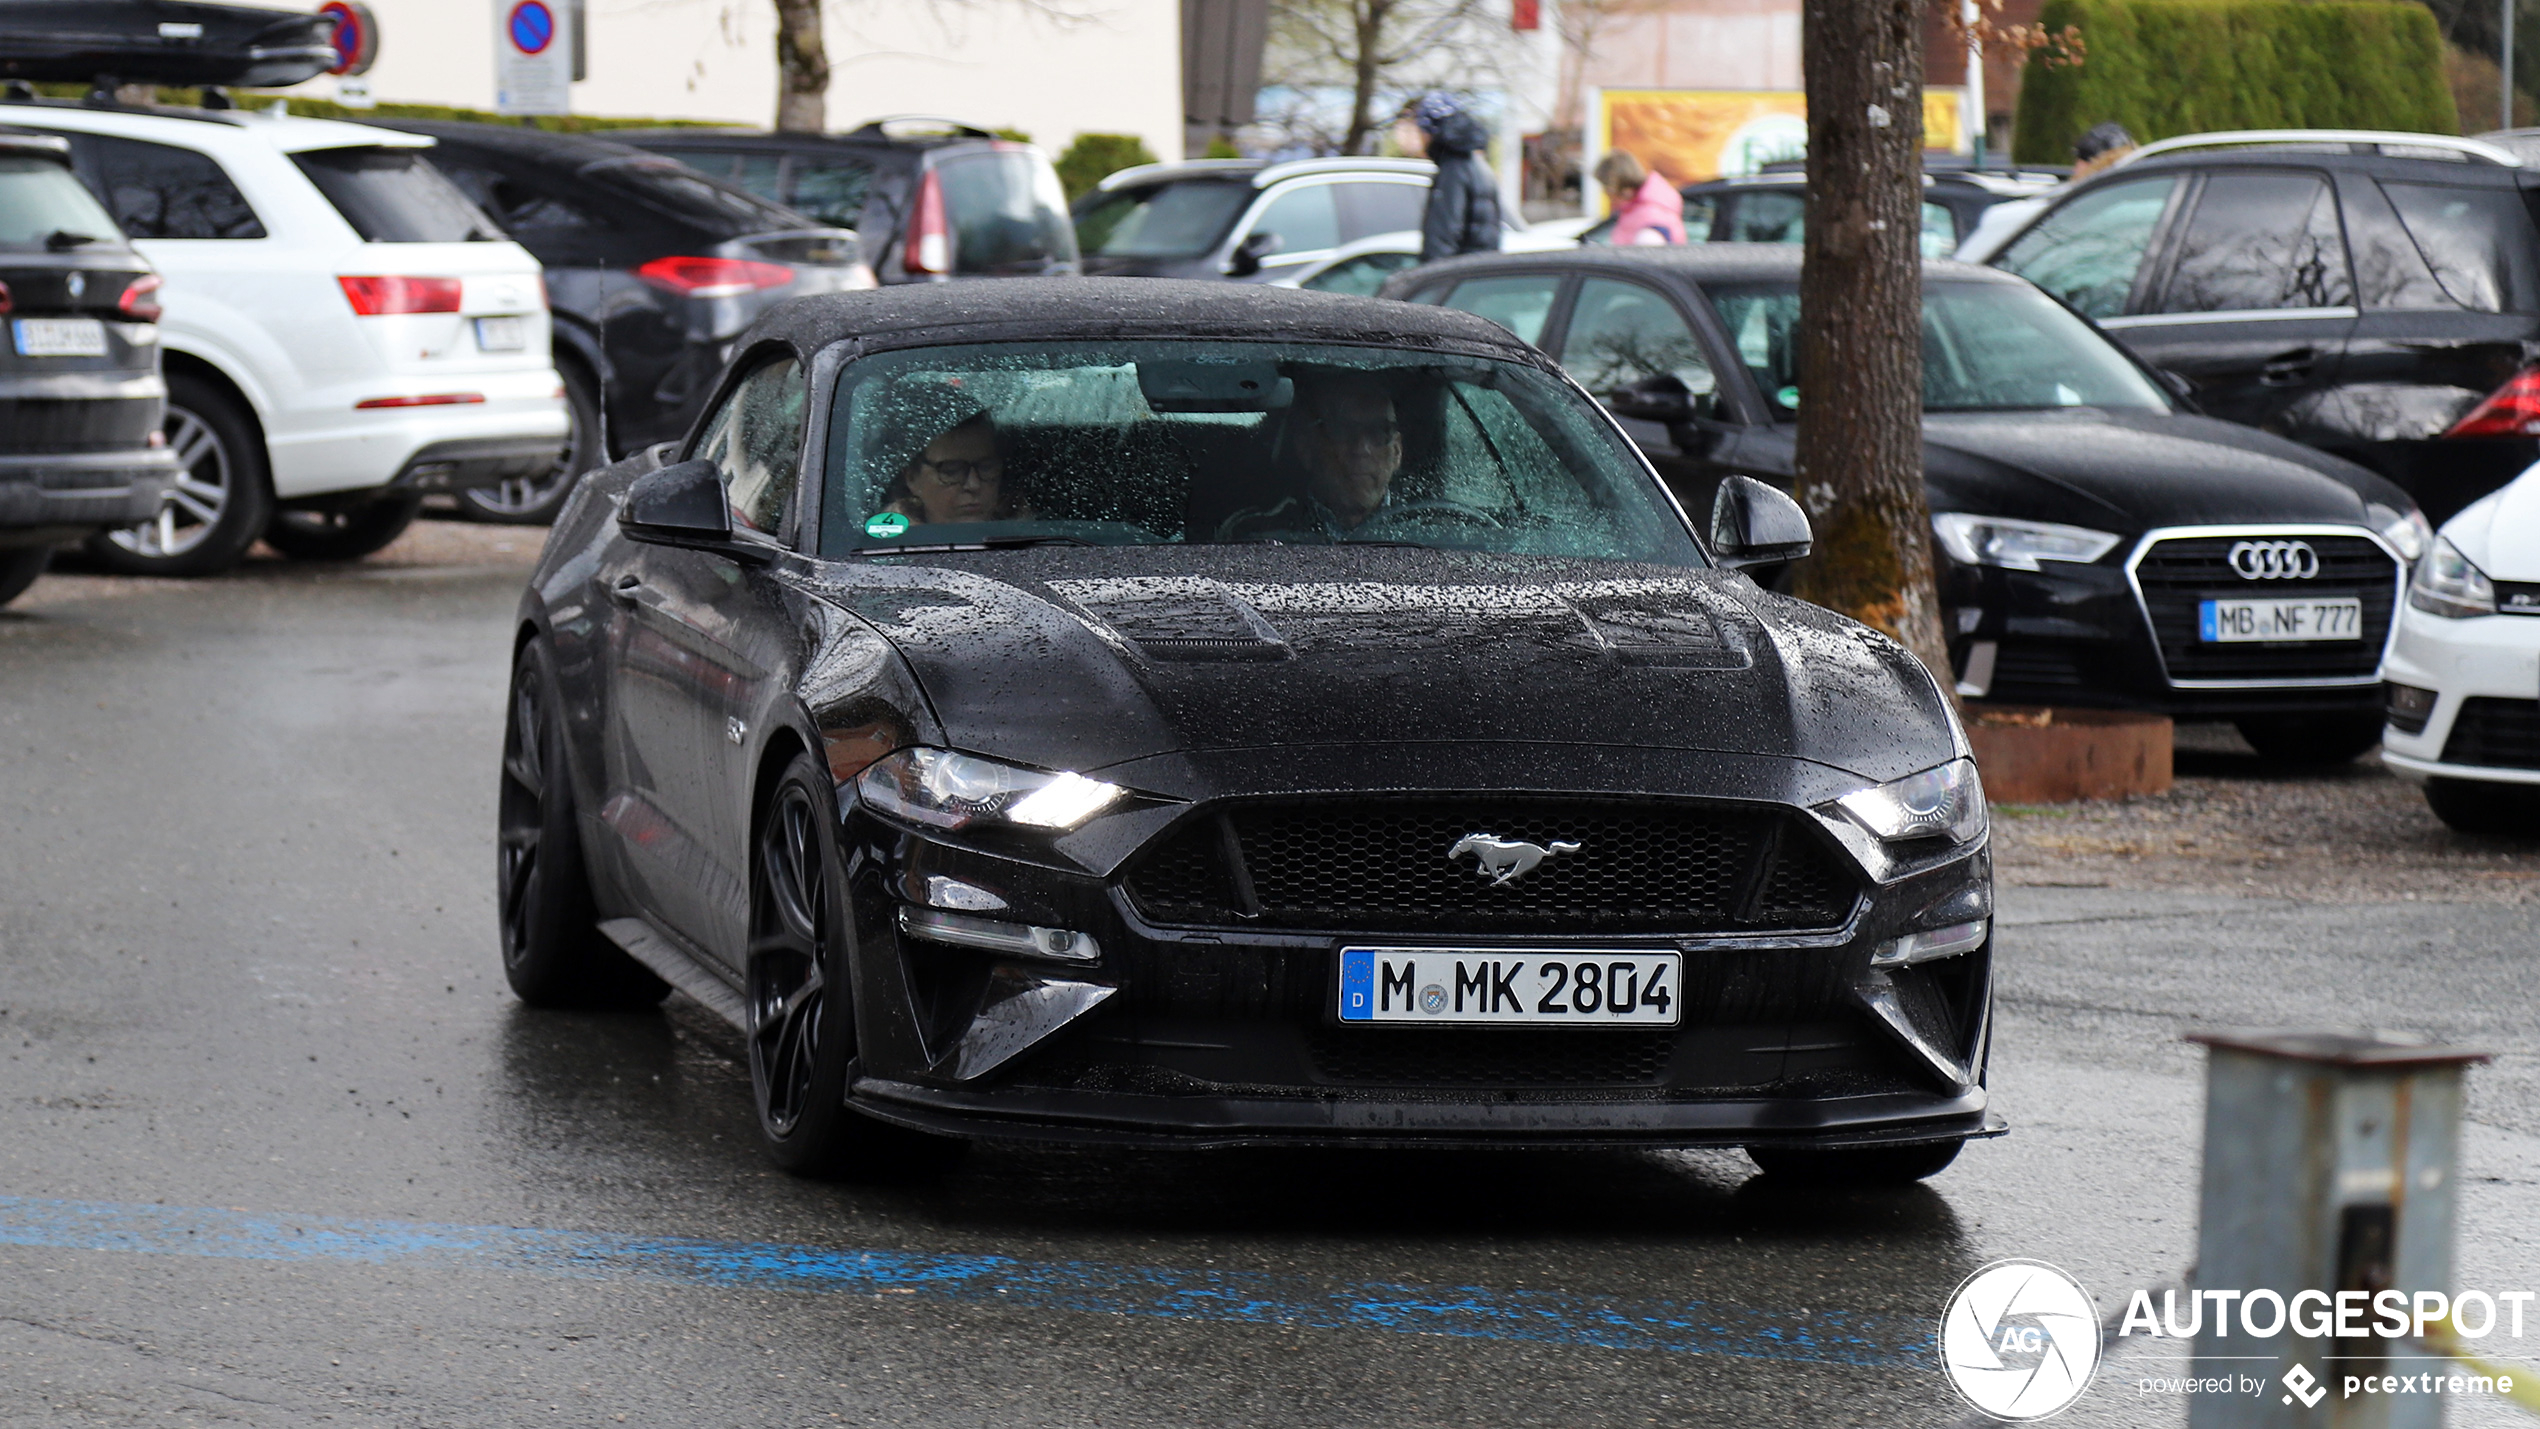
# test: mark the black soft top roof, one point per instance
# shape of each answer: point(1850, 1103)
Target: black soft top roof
point(1697, 262)
point(1064, 309)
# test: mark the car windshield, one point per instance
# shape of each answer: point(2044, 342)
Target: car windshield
point(1182, 219)
point(39, 198)
point(1231, 443)
point(395, 196)
point(1986, 347)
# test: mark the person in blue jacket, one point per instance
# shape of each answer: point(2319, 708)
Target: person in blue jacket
point(1463, 211)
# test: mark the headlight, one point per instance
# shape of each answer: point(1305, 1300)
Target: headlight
point(1945, 802)
point(2448, 585)
point(950, 790)
point(2016, 545)
point(2409, 535)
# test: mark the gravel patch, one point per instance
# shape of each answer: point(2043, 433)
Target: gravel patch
point(2234, 823)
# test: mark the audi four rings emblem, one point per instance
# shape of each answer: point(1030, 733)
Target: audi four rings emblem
point(2274, 560)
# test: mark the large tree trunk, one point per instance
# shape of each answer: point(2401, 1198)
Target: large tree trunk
point(802, 68)
point(1860, 337)
point(1367, 25)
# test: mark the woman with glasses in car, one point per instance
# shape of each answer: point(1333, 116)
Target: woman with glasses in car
point(957, 477)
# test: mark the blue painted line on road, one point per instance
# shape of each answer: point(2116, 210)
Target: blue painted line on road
point(1211, 1296)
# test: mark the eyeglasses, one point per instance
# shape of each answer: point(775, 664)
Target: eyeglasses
point(950, 474)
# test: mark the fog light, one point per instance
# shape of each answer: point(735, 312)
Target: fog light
point(995, 935)
point(2407, 707)
point(1930, 945)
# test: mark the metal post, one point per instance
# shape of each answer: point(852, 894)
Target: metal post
point(1972, 19)
point(2328, 1166)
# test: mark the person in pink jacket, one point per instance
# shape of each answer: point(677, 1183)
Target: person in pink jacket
point(1647, 208)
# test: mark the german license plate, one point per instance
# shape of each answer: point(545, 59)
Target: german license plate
point(1545, 988)
point(2312, 617)
point(501, 334)
point(60, 337)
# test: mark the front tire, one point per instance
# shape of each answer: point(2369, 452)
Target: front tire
point(346, 535)
point(220, 501)
point(1837, 1168)
point(554, 954)
point(2475, 806)
point(18, 570)
point(2328, 739)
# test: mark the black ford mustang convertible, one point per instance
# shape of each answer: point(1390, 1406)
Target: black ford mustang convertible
point(1151, 712)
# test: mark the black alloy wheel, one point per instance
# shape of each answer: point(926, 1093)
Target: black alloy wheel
point(2476, 806)
point(535, 500)
point(2312, 739)
point(347, 534)
point(1837, 1167)
point(801, 1008)
point(220, 501)
point(554, 954)
point(19, 568)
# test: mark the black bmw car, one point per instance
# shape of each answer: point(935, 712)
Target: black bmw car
point(2097, 543)
point(1149, 711)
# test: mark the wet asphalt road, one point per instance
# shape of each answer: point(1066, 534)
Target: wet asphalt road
point(278, 1148)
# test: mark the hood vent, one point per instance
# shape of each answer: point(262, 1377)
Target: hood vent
point(1662, 626)
point(1177, 618)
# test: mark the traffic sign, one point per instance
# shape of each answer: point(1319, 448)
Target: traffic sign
point(356, 36)
point(533, 57)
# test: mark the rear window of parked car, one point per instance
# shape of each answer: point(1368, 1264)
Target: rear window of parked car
point(161, 191)
point(39, 198)
point(394, 196)
point(2478, 241)
point(1176, 220)
point(1007, 213)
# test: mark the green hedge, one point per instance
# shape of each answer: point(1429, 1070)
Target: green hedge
point(2166, 67)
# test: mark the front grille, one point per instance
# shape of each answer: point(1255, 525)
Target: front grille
point(2495, 734)
point(1382, 865)
point(2178, 574)
point(1521, 1057)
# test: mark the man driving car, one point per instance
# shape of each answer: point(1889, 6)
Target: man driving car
point(1349, 444)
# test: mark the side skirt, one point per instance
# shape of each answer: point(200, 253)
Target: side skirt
point(667, 956)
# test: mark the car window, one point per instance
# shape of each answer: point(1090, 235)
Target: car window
point(2087, 252)
point(161, 191)
point(1519, 304)
point(2478, 241)
point(756, 438)
point(2390, 271)
point(538, 220)
point(676, 191)
point(1186, 442)
point(394, 196)
point(1361, 275)
point(830, 190)
point(1305, 219)
point(1700, 211)
point(1621, 333)
point(1007, 212)
point(1367, 209)
point(2257, 242)
point(1940, 230)
point(1987, 346)
point(1182, 219)
point(759, 174)
point(1766, 216)
point(39, 198)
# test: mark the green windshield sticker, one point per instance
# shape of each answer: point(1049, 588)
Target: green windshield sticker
point(1788, 397)
point(886, 524)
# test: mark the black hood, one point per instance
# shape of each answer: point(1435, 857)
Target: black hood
point(1086, 659)
point(1458, 133)
point(2130, 471)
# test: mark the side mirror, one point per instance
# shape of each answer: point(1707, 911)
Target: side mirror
point(682, 504)
point(1660, 398)
point(1756, 525)
point(1249, 253)
point(2178, 385)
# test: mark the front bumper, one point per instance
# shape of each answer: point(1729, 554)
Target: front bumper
point(1220, 1036)
point(64, 496)
point(2492, 660)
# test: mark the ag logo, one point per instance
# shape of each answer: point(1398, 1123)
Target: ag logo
point(2020, 1339)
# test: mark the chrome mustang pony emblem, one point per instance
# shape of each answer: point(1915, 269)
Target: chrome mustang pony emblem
point(1501, 860)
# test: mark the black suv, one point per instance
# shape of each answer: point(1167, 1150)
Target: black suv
point(2095, 545)
point(652, 271)
point(932, 199)
point(2373, 295)
point(80, 392)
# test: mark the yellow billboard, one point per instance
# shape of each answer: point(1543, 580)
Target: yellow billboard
point(1693, 134)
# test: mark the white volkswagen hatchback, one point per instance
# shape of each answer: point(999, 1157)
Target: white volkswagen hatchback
point(2464, 667)
point(344, 332)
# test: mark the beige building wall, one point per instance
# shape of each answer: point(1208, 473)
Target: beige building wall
point(1053, 69)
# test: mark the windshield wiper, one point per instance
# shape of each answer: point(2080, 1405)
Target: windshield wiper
point(992, 543)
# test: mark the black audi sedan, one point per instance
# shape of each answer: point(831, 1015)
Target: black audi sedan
point(653, 270)
point(80, 390)
point(1138, 710)
point(2097, 543)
